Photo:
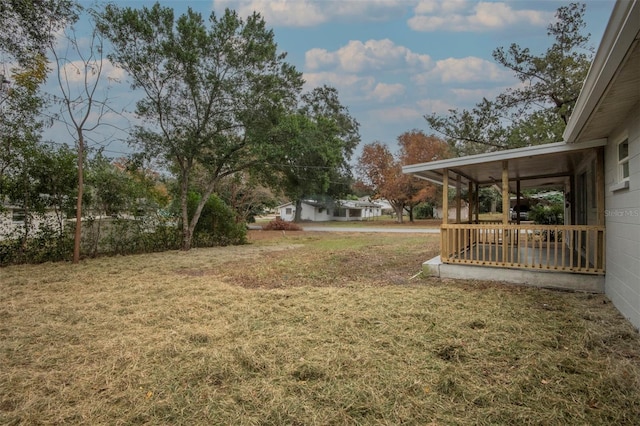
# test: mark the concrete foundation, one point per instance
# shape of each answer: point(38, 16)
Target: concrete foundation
point(544, 279)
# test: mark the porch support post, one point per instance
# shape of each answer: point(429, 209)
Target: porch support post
point(600, 186)
point(458, 199)
point(445, 197)
point(470, 202)
point(477, 202)
point(505, 208)
point(599, 171)
point(505, 192)
point(573, 218)
point(517, 201)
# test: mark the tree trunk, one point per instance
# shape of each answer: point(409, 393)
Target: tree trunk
point(78, 231)
point(189, 226)
point(298, 215)
point(399, 209)
point(184, 191)
point(410, 211)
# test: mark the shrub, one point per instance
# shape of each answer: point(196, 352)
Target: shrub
point(46, 245)
point(547, 214)
point(424, 211)
point(217, 225)
point(280, 225)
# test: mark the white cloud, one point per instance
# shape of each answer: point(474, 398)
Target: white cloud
point(461, 15)
point(383, 92)
point(357, 56)
point(438, 106)
point(307, 13)
point(463, 70)
point(401, 113)
point(349, 85)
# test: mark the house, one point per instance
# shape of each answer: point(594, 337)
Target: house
point(340, 210)
point(597, 168)
point(453, 211)
point(12, 219)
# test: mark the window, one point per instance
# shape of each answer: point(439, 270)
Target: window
point(18, 215)
point(623, 160)
point(288, 211)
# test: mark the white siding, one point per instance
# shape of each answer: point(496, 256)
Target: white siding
point(622, 215)
point(8, 227)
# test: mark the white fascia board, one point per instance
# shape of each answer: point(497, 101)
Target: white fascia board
point(621, 31)
point(509, 154)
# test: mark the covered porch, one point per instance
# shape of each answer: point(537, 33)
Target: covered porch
point(511, 243)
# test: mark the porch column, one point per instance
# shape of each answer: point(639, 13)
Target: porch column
point(445, 196)
point(505, 192)
point(573, 218)
point(517, 201)
point(600, 206)
point(477, 203)
point(600, 186)
point(470, 202)
point(458, 199)
point(444, 232)
point(505, 207)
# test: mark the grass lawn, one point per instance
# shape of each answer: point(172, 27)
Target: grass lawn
point(305, 329)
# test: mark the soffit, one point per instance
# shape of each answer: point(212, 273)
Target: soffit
point(621, 95)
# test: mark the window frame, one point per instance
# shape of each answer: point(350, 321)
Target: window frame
point(621, 162)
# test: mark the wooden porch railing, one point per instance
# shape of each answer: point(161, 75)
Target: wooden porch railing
point(562, 248)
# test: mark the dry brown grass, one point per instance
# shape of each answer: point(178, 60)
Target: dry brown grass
point(305, 328)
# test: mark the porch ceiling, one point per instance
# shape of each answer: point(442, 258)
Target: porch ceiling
point(542, 166)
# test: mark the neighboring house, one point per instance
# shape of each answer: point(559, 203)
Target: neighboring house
point(341, 210)
point(597, 168)
point(12, 221)
point(453, 212)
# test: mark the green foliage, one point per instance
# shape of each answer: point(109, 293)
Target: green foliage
point(217, 225)
point(552, 214)
point(423, 211)
point(313, 148)
point(140, 235)
point(28, 26)
point(46, 245)
point(43, 183)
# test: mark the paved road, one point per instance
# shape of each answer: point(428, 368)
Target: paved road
point(365, 229)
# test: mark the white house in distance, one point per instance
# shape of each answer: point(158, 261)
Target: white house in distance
point(12, 221)
point(340, 210)
point(597, 168)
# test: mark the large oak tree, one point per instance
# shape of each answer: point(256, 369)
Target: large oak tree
point(213, 91)
point(318, 141)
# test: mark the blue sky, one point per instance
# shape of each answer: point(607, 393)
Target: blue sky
point(393, 61)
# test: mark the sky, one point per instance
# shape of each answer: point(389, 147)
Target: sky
point(392, 61)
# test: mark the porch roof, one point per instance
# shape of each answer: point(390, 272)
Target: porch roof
point(540, 166)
